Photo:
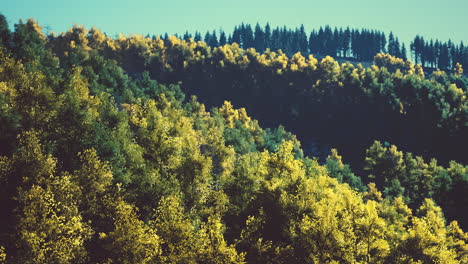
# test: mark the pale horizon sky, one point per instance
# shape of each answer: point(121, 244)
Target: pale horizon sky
point(430, 19)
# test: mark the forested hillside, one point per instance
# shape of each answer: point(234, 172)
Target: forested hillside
point(107, 155)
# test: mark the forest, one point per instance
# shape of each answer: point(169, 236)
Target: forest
point(137, 149)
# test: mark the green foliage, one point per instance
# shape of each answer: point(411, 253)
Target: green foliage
point(5, 33)
point(102, 164)
point(412, 178)
point(342, 172)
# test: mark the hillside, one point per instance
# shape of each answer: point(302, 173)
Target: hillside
point(108, 154)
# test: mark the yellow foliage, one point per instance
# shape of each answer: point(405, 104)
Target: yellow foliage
point(212, 246)
point(232, 115)
point(393, 63)
point(458, 69)
point(2, 255)
point(51, 230)
point(131, 241)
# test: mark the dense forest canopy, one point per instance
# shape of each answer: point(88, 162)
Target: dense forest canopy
point(107, 155)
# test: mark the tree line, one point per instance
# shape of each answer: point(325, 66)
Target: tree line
point(348, 43)
point(438, 54)
point(337, 42)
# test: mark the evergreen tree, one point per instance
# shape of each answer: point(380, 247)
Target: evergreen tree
point(197, 36)
point(396, 48)
point(5, 33)
point(267, 36)
point(303, 40)
point(207, 38)
point(312, 42)
point(247, 36)
point(346, 42)
point(403, 53)
point(222, 38)
point(391, 44)
point(214, 40)
point(236, 36)
point(259, 38)
point(187, 36)
point(383, 43)
point(444, 59)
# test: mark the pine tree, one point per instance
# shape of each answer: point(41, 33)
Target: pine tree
point(5, 33)
point(236, 36)
point(383, 43)
point(347, 42)
point(259, 38)
point(267, 36)
point(187, 36)
point(207, 38)
point(397, 49)
point(391, 44)
point(403, 52)
point(444, 59)
point(303, 40)
point(197, 36)
point(247, 37)
point(214, 40)
point(222, 38)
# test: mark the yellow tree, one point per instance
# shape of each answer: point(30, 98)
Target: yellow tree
point(131, 240)
point(177, 234)
point(213, 248)
point(427, 238)
point(50, 228)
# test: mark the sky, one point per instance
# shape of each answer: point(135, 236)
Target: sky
point(436, 19)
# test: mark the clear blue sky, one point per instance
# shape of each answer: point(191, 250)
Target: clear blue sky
point(444, 20)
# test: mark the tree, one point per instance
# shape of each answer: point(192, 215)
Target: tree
point(213, 247)
point(444, 60)
point(416, 48)
point(247, 36)
point(187, 36)
point(303, 44)
point(267, 36)
point(78, 110)
point(236, 36)
point(425, 241)
point(342, 172)
point(5, 33)
point(259, 38)
point(207, 38)
point(391, 44)
point(29, 44)
point(178, 237)
point(313, 45)
point(50, 229)
point(384, 164)
point(222, 38)
point(94, 179)
point(347, 42)
point(214, 40)
point(197, 36)
point(130, 241)
point(403, 52)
